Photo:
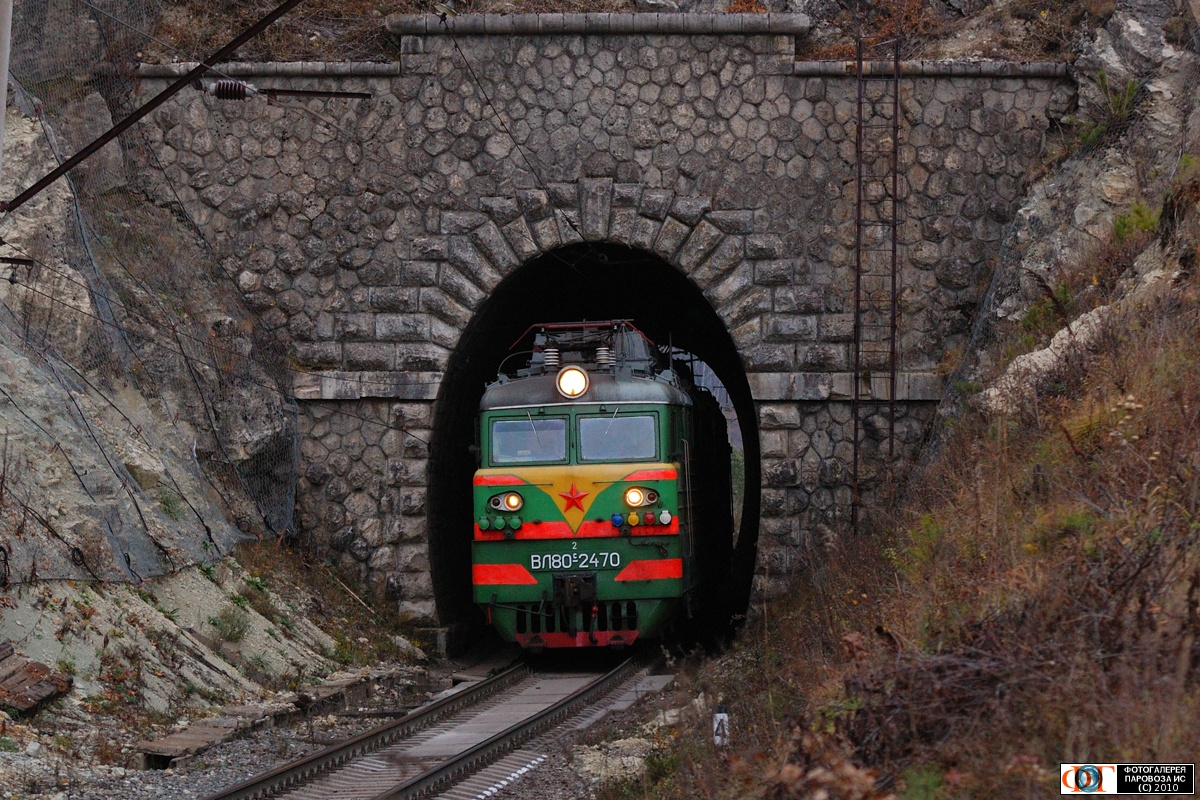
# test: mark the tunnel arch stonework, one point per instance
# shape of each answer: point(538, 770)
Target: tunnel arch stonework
point(366, 234)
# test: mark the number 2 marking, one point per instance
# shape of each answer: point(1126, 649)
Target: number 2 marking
point(574, 545)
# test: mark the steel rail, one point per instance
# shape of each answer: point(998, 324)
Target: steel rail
point(460, 767)
point(296, 773)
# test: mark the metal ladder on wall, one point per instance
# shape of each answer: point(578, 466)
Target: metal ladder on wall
point(876, 256)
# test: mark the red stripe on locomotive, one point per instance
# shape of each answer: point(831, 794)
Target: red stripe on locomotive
point(498, 480)
point(500, 574)
point(652, 475)
point(657, 569)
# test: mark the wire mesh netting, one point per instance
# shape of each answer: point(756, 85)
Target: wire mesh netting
point(142, 407)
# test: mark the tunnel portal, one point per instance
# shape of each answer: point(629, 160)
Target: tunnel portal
point(589, 281)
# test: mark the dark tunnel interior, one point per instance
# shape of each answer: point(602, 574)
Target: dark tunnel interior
point(589, 281)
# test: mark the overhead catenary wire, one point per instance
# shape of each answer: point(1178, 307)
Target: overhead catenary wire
point(90, 149)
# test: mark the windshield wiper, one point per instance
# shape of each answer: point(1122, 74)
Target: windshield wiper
point(537, 436)
point(611, 420)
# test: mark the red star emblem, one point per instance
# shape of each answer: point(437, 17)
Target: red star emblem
point(574, 498)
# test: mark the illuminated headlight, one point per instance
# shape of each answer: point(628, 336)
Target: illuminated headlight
point(636, 496)
point(572, 381)
point(509, 501)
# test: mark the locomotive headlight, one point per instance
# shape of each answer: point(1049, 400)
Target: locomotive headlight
point(636, 496)
point(572, 381)
point(509, 501)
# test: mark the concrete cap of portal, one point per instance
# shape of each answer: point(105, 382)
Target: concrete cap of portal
point(817, 386)
point(346, 385)
point(600, 24)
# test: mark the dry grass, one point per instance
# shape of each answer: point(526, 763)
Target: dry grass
point(1036, 599)
point(1060, 565)
point(363, 633)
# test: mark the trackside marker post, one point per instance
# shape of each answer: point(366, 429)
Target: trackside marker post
point(721, 727)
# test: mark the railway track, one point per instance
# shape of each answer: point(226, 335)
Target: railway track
point(445, 743)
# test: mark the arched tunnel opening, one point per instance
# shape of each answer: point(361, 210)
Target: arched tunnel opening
point(589, 281)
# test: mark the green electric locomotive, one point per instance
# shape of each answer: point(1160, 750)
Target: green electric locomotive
point(601, 501)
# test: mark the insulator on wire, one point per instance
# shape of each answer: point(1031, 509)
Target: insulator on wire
point(229, 89)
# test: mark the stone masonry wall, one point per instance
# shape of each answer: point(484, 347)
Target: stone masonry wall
point(367, 232)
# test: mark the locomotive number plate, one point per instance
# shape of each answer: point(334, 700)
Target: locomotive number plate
point(575, 561)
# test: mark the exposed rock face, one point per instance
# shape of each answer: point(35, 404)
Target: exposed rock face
point(97, 483)
point(1130, 46)
point(83, 122)
point(1069, 216)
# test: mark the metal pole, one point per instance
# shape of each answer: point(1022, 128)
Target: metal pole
point(892, 354)
point(6, 14)
point(858, 270)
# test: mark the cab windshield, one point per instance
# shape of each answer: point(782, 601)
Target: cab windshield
point(630, 438)
point(529, 441)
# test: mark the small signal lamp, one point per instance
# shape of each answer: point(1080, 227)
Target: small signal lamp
point(509, 501)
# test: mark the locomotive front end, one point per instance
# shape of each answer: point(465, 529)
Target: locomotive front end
point(580, 505)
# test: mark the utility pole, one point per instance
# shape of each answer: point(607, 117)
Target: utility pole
point(6, 12)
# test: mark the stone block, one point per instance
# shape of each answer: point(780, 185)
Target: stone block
point(534, 203)
point(417, 273)
point(733, 285)
point(645, 232)
point(790, 386)
point(393, 298)
point(769, 357)
point(361, 355)
point(763, 246)
point(432, 248)
point(461, 222)
point(437, 302)
point(464, 255)
point(778, 473)
point(622, 226)
point(520, 238)
point(546, 234)
point(778, 415)
point(354, 327)
point(492, 243)
point(703, 239)
point(791, 327)
point(656, 203)
point(836, 327)
point(773, 272)
point(402, 327)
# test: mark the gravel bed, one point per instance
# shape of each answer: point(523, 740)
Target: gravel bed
point(59, 755)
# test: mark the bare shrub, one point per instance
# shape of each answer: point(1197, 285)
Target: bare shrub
point(1049, 559)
